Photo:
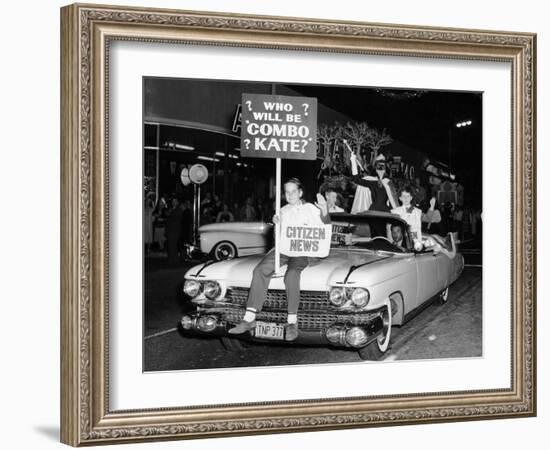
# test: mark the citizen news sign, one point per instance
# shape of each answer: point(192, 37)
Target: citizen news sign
point(313, 241)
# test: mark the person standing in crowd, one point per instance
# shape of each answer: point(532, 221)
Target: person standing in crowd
point(206, 201)
point(216, 205)
point(457, 219)
point(381, 188)
point(331, 197)
point(205, 215)
point(447, 209)
point(159, 225)
point(248, 213)
point(225, 215)
point(268, 208)
point(296, 211)
point(431, 217)
point(173, 230)
point(148, 218)
point(466, 217)
point(258, 208)
point(419, 192)
point(476, 222)
point(187, 224)
point(236, 212)
point(410, 214)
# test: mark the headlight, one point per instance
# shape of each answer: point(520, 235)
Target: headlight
point(336, 335)
point(360, 297)
point(192, 288)
point(207, 323)
point(356, 337)
point(186, 322)
point(212, 289)
point(336, 296)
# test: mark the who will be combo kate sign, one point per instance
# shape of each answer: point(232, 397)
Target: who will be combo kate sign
point(279, 126)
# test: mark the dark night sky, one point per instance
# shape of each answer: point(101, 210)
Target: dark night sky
point(425, 122)
point(422, 120)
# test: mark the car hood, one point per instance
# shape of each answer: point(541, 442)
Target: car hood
point(319, 274)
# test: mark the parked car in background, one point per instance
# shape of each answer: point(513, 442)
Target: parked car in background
point(350, 299)
point(228, 240)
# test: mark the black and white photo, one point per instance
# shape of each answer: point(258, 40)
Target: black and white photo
point(290, 224)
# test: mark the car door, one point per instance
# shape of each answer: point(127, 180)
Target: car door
point(444, 268)
point(427, 272)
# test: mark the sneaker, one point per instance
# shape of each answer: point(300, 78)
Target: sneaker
point(291, 331)
point(242, 327)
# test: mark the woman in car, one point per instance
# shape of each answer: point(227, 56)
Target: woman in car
point(410, 214)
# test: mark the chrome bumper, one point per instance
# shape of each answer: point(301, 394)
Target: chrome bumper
point(338, 334)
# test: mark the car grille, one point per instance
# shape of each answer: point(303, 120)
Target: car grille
point(314, 313)
point(276, 300)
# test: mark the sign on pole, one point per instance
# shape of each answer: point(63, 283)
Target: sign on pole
point(280, 127)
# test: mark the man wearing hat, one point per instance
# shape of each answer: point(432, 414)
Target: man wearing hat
point(382, 191)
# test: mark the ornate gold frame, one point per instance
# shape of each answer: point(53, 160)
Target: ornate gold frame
point(86, 31)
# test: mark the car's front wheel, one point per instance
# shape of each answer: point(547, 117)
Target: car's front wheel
point(377, 349)
point(224, 250)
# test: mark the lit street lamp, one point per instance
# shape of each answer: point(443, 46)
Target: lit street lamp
point(465, 123)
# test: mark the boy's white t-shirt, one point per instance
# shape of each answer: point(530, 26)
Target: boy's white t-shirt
point(301, 214)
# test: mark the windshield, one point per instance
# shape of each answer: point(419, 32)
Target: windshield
point(372, 233)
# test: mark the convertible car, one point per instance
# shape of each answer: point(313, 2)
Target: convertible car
point(368, 283)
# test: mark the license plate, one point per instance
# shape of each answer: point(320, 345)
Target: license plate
point(269, 330)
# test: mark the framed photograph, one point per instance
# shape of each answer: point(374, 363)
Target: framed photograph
point(285, 224)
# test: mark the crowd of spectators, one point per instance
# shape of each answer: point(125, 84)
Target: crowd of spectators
point(168, 222)
point(437, 217)
point(213, 209)
point(168, 225)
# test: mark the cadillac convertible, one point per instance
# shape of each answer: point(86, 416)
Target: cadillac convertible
point(369, 283)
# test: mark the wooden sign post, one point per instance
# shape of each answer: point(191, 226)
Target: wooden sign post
point(278, 214)
point(280, 127)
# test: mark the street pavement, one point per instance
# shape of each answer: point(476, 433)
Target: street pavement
point(452, 330)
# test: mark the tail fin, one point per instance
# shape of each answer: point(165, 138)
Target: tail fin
point(452, 244)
